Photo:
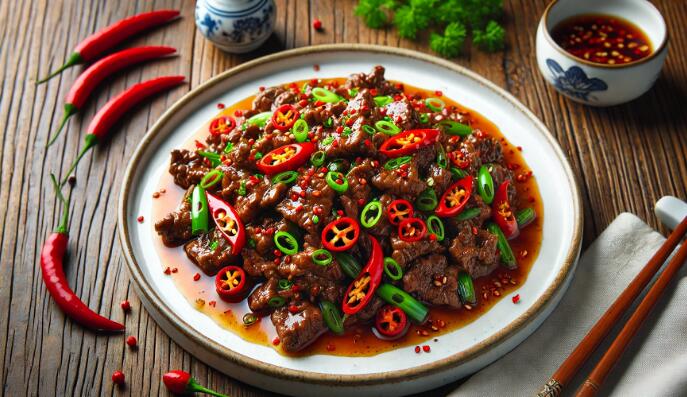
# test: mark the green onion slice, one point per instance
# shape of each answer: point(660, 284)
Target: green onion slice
point(321, 257)
point(227, 149)
point(397, 162)
point(458, 173)
point(442, 161)
point(199, 211)
point(300, 130)
point(424, 118)
point(286, 242)
point(427, 200)
point(285, 284)
point(382, 100)
point(466, 290)
point(387, 127)
point(507, 256)
point(250, 319)
point(349, 264)
point(276, 301)
point(324, 95)
point(332, 317)
point(259, 119)
point(371, 214)
point(214, 158)
point(211, 179)
point(285, 177)
point(525, 216)
point(369, 129)
point(435, 104)
point(333, 179)
point(485, 184)
point(317, 158)
point(455, 128)
point(392, 269)
point(468, 214)
point(436, 226)
point(401, 299)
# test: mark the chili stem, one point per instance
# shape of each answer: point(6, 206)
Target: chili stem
point(195, 387)
point(69, 111)
point(74, 59)
point(63, 227)
point(91, 140)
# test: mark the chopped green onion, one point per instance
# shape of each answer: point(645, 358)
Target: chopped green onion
point(285, 177)
point(321, 257)
point(382, 100)
point(315, 219)
point(424, 118)
point(259, 119)
point(211, 179)
point(507, 256)
point(455, 128)
point(300, 130)
point(333, 179)
point(214, 244)
point(258, 156)
point(324, 95)
point(346, 131)
point(317, 158)
point(242, 189)
point(349, 265)
point(199, 211)
point(435, 104)
point(251, 243)
point(435, 226)
point(427, 200)
point(353, 92)
point(369, 129)
point(468, 214)
point(397, 162)
point(332, 317)
point(401, 299)
point(485, 184)
point(329, 122)
point(285, 284)
point(442, 161)
point(371, 214)
point(286, 242)
point(328, 140)
point(458, 173)
point(392, 269)
point(525, 216)
point(466, 290)
point(276, 301)
point(214, 158)
point(387, 127)
point(249, 319)
point(227, 149)
point(305, 88)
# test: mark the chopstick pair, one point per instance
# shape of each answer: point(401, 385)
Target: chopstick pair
point(603, 326)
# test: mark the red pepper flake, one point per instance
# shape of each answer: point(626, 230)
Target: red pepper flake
point(302, 194)
point(299, 208)
point(519, 148)
point(513, 166)
point(168, 271)
point(131, 341)
point(261, 88)
point(156, 195)
point(303, 103)
point(397, 97)
point(294, 197)
point(220, 105)
point(317, 24)
point(316, 193)
point(417, 349)
point(375, 164)
point(118, 377)
point(361, 201)
point(200, 145)
point(275, 341)
point(373, 92)
point(125, 305)
point(293, 309)
point(335, 144)
point(367, 142)
point(276, 261)
point(433, 237)
point(276, 252)
point(212, 303)
point(516, 298)
point(330, 347)
point(196, 277)
point(316, 67)
point(140, 219)
point(426, 348)
point(399, 86)
point(438, 93)
point(317, 210)
point(287, 259)
point(174, 270)
point(318, 103)
point(474, 230)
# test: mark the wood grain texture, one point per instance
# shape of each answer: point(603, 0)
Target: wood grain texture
point(625, 158)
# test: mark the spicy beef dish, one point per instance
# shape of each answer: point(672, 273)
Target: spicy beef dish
point(349, 212)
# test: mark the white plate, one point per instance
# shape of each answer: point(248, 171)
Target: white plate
point(457, 353)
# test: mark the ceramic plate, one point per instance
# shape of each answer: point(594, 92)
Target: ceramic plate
point(456, 354)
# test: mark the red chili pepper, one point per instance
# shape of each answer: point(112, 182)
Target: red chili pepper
point(408, 142)
point(340, 234)
point(94, 45)
point(222, 125)
point(502, 212)
point(284, 117)
point(391, 321)
point(458, 159)
point(118, 378)
point(181, 382)
point(228, 221)
point(55, 280)
point(99, 71)
point(399, 210)
point(232, 284)
point(285, 158)
point(116, 107)
point(412, 229)
point(363, 288)
point(455, 197)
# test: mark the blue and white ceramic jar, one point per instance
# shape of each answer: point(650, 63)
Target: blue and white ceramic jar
point(236, 26)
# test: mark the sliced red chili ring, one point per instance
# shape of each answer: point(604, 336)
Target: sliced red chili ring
point(362, 289)
point(222, 125)
point(231, 284)
point(284, 117)
point(399, 210)
point(455, 198)
point(228, 222)
point(285, 158)
point(412, 229)
point(458, 159)
point(341, 234)
point(503, 213)
point(391, 321)
point(408, 142)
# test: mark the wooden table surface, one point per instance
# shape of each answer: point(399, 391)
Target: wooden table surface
point(625, 158)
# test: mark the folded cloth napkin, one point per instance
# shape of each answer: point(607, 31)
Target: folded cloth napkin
point(655, 363)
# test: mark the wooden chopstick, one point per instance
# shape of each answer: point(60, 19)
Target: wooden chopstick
point(591, 386)
point(603, 326)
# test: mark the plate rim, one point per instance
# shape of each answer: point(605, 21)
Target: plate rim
point(272, 370)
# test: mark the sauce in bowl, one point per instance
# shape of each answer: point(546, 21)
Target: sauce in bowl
point(603, 39)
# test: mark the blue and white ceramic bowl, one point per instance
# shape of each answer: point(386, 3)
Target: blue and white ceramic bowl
point(236, 26)
point(593, 83)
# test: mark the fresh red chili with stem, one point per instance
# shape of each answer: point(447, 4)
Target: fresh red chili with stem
point(181, 382)
point(455, 198)
point(52, 255)
point(96, 44)
point(116, 107)
point(362, 289)
point(228, 222)
point(99, 71)
point(408, 142)
point(398, 210)
point(232, 284)
point(284, 117)
point(503, 213)
point(412, 229)
point(391, 321)
point(285, 158)
point(341, 234)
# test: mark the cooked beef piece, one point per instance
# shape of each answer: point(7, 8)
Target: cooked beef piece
point(298, 330)
point(425, 157)
point(441, 179)
point(257, 265)
point(470, 154)
point(359, 178)
point(351, 145)
point(317, 287)
point(319, 115)
point(366, 314)
point(350, 207)
point(209, 260)
point(302, 264)
point(433, 281)
point(489, 149)
point(383, 228)
point(476, 253)
point(175, 227)
point(318, 194)
point(259, 196)
point(187, 167)
point(372, 80)
point(399, 182)
point(499, 174)
point(231, 181)
point(240, 155)
point(405, 252)
point(264, 100)
point(284, 98)
point(263, 234)
point(402, 114)
point(361, 104)
point(258, 300)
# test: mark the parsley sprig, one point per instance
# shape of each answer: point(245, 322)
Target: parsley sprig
point(450, 21)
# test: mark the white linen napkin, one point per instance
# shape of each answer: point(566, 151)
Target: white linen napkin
point(655, 363)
